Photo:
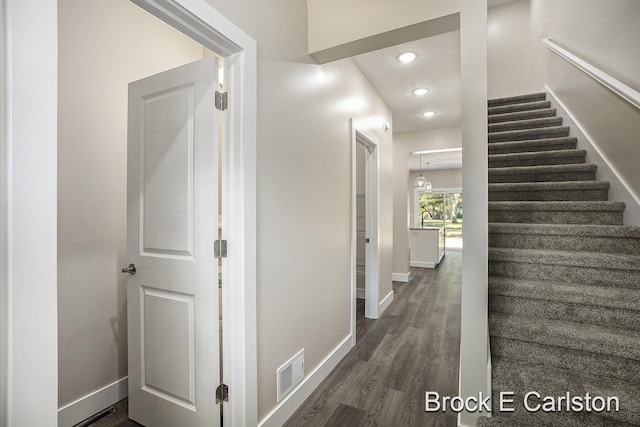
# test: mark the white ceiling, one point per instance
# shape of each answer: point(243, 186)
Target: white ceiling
point(446, 160)
point(437, 68)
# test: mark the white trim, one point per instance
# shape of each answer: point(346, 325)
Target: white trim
point(200, 21)
point(423, 264)
point(83, 408)
point(294, 400)
point(4, 283)
point(400, 277)
point(385, 303)
point(360, 293)
point(606, 170)
point(629, 94)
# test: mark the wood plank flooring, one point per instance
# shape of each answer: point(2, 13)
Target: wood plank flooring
point(414, 347)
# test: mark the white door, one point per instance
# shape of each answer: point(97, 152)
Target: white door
point(172, 198)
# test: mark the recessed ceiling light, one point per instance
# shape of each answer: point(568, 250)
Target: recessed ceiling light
point(407, 57)
point(429, 114)
point(421, 91)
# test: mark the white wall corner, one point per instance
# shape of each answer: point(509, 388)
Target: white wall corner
point(400, 277)
point(296, 398)
point(620, 189)
point(92, 403)
point(360, 293)
point(385, 303)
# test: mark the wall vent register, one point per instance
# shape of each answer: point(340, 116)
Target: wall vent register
point(290, 374)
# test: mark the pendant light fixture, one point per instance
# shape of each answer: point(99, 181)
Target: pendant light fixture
point(421, 181)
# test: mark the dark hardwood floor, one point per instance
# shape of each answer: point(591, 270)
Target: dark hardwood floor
point(414, 347)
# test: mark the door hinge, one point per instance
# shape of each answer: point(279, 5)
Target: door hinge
point(222, 393)
point(222, 101)
point(220, 249)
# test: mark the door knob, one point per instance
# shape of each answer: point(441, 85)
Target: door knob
point(131, 269)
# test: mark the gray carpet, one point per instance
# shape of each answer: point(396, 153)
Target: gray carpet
point(564, 275)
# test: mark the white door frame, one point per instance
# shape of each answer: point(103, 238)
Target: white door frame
point(200, 21)
point(372, 195)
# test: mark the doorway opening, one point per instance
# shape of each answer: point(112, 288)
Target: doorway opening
point(365, 258)
point(441, 208)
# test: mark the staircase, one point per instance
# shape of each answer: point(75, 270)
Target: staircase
point(564, 273)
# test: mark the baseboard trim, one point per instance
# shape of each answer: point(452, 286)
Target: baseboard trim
point(400, 277)
point(385, 303)
point(294, 400)
point(92, 403)
point(360, 293)
point(422, 264)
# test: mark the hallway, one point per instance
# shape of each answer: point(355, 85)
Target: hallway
point(413, 348)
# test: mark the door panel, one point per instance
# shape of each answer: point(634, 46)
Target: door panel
point(172, 193)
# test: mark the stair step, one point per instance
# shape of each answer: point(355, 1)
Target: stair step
point(545, 173)
point(540, 212)
point(589, 268)
point(536, 299)
point(525, 124)
point(522, 115)
point(525, 106)
point(525, 146)
point(521, 378)
point(542, 419)
point(529, 134)
point(566, 237)
point(541, 353)
point(576, 336)
point(550, 191)
point(537, 158)
point(518, 99)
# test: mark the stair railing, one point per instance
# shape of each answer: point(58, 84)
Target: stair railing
point(629, 94)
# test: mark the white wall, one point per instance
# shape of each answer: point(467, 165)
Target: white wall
point(304, 220)
point(31, 56)
point(606, 35)
point(102, 47)
point(512, 68)
point(403, 144)
point(3, 225)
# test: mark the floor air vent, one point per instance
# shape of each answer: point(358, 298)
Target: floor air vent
point(290, 374)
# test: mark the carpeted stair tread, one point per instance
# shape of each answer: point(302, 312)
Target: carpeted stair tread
point(577, 336)
point(522, 115)
point(520, 378)
point(524, 146)
point(561, 357)
point(566, 237)
point(529, 134)
point(518, 99)
point(538, 123)
point(544, 173)
point(567, 258)
point(576, 293)
point(566, 311)
point(550, 191)
point(545, 212)
point(537, 158)
point(525, 106)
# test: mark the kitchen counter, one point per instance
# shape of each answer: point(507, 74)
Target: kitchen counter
point(426, 246)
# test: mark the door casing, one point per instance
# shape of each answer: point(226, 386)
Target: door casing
point(200, 21)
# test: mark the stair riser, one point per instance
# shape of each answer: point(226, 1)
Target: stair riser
point(533, 146)
point(529, 135)
point(524, 115)
point(540, 161)
point(603, 244)
point(542, 177)
point(549, 196)
point(557, 217)
point(565, 311)
point(525, 124)
point(565, 273)
point(581, 361)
